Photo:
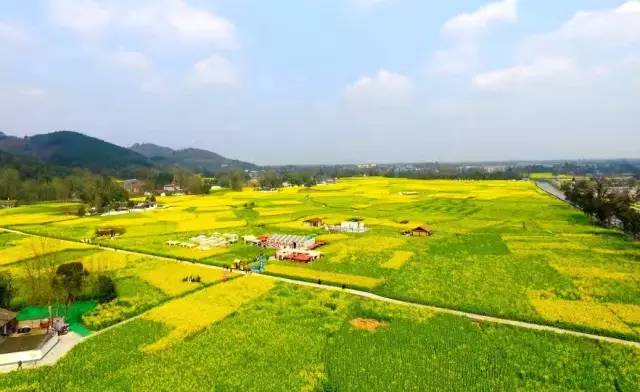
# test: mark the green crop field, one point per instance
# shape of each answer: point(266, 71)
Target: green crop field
point(501, 248)
point(293, 338)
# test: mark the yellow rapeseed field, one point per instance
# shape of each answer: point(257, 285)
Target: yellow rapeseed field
point(586, 313)
point(34, 246)
point(340, 251)
point(629, 313)
point(191, 314)
point(400, 258)
point(168, 277)
point(108, 261)
point(327, 277)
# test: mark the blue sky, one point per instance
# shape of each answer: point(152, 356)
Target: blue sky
point(329, 81)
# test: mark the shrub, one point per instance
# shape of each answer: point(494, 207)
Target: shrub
point(105, 289)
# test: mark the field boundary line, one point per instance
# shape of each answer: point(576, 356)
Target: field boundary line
point(369, 295)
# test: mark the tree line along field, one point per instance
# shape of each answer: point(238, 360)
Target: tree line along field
point(251, 333)
point(502, 248)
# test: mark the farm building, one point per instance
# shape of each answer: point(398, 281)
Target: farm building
point(419, 231)
point(354, 225)
point(172, 188)
point(109, 231)
point(252, 240)
point(280, 241)
point(8, 203)
point(301, 255)
point(8, 322)
point(133, 186)
point(313, 222)
point(215, 240)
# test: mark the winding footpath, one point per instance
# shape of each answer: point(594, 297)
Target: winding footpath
point(375, 297)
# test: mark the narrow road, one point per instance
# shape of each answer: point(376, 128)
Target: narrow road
point(375, 297)
point(551, 189)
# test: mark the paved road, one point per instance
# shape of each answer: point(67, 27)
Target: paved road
point(551, 189)
point(375, 297)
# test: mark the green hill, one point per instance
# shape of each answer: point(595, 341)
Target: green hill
point(192, 158)
point(73, 149)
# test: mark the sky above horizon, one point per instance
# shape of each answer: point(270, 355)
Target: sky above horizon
point(330, 81)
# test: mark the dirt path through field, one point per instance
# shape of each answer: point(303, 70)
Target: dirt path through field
point(375, 297)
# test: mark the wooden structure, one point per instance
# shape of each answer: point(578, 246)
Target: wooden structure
point(109, 231)
point(8, 322)
point(419, 231)
point(314, 222)
point(8, 203)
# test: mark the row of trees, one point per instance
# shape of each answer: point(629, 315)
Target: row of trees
point(608, 202)
point(97, 191)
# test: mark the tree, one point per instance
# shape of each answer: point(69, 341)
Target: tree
point(598, 199)
point(40, 272)
point(10, 184)
point(105, 288)
point(270, 179)
point(234, 179)
point(194, 185)
point(631, 222)
point(6, 289)
point(69, 278)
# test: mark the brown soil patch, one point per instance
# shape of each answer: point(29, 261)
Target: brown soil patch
point(367, 324)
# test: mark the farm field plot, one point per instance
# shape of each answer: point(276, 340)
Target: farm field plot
point(293, 338)
point(141, 282)
point(502, 248)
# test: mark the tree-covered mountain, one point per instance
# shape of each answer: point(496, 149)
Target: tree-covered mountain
point(66, 149)
point(193, 158)
point(73, 149)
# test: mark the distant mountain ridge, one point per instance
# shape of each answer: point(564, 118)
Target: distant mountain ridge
point(193, 158)
point(73, 149)
point(68, 149)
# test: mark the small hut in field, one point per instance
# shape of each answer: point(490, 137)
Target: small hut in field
point(419, 231)
point(313, 222)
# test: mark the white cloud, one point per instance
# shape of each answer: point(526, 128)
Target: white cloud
point(164, 20)
point(81, 16)
point(459, 59)
point(12, 34)
point(175, 20)
point(33, 92)
point(132, 59)
point(465, 30)
point(474, 22)
point(214, 69)
point(384, 87)
point(523, 74)
point(593, 44)
point(588, 33)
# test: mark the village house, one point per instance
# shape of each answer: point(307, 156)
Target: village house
point(171, 188)
point(133, 186)
point(353, 225)
point(419, 231)
point(8, 322)
point(313, 222)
